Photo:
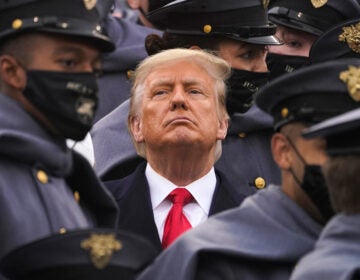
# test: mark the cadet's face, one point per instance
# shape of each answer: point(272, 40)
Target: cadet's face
point(179, 107)
point(295, 42)
point(63, 54)
point(243, 56)
point(312, 151)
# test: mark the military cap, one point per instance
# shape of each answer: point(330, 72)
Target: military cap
point(156, 4)
point(342, 133)
point(80, 254)
point(79, 18)
point(244, 20)
point(312, 16)
point(313, 93)
point(342, 40)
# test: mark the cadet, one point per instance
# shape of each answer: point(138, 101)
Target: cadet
point(336, 254)
point(228, 29)
point(49, 57)
point(129, 37)
point(299, 24)
point(267, 234)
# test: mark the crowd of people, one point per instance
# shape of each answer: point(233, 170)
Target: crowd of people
point(179, 139)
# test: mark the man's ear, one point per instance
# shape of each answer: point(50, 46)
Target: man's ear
point(11, 72)
point(281, 150)
point(222, 129)
point(136, 128)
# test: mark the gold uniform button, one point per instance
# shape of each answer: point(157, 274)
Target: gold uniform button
point(62, 230)
point(260, 183)
point(129, 74)
point(77, 196)
point(42, 176)
point(17, 23)
point(207, 28)
point(284, 112)
point(242, 134)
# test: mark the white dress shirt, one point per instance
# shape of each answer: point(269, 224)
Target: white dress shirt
point(196, 211)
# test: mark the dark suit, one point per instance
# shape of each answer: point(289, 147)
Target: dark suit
point(133, 197)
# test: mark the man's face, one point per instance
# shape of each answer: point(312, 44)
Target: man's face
point(243, 56)
point(296, 42)
point(179, 108)
point(63, 54)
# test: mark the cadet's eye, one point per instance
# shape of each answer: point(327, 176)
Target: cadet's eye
point(68, 63)
point(294, 44)
point(246, 55)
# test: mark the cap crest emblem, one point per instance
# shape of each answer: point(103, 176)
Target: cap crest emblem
point(90, 4)
point(351, 35)
point(101, 247)
point(352, 78)
point(318, 3)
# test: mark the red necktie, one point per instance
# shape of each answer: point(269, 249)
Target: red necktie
point(176, 223)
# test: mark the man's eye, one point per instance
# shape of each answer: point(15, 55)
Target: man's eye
point(194, 91)
point(160, 92)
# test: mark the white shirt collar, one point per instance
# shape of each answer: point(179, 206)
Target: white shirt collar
point(202, 189)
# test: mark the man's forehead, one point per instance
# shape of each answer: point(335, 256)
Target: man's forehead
point(170, 80)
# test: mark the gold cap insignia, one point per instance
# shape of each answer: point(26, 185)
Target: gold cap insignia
point(265, 3)
point(318, 3)
point(101, 247)
point(351, 35)
point(352, 78)
point(90, 4)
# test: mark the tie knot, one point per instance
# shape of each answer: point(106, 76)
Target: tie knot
point(181, 196)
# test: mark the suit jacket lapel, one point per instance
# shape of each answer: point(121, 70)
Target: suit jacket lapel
point(136, 212)
point(226, 196)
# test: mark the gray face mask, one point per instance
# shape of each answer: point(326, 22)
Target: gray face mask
point(314, 185)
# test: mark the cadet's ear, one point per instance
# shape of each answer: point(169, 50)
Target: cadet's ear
point(195, 48)
point(281, 150)
point(11, 72)
point(136, 128)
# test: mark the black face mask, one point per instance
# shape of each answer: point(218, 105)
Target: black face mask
point(282, 64)
point(242, 87)
point(69, 100)
point(314, 185)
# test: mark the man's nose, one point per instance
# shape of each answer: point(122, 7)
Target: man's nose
point(179, 99)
